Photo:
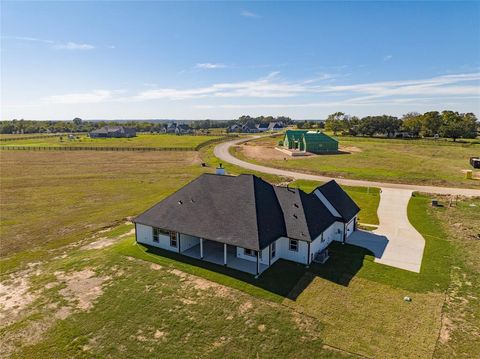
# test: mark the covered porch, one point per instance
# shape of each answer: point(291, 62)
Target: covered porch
point(222, 254)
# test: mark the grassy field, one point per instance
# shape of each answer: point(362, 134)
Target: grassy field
point(171, 141)
point(401, 161)
point(80, 291)
point(55, 198)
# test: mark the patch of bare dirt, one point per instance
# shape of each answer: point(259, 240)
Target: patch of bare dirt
point(159, 334)
point(350, 149)
point(245, 307)
point(262, 152)
point(15, 296)
point(155, 266)
point(262, 328)
point(447, 326)
point(83, 287)
point(201, 284)
point(106, 242)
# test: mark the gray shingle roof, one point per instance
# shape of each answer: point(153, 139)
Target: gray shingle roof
point(243, 211)
point(340, 200)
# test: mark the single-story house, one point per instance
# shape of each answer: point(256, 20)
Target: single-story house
point(262, 127)
point(113, 131)
point(309, 141)
point(246, 223)
point(178, 129)
point(275, 126)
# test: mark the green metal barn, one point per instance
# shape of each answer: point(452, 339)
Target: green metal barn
point(309, 141)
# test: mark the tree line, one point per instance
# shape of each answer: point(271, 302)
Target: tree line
point(447, 124)
point(78, 125)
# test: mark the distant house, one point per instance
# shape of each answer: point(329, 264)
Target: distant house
point(309, 141)
point(177, 129)
point(234, 128)
point(275, 126)
point(248, 224)
point(113, 132)
point(262, 127)
point(246, 128)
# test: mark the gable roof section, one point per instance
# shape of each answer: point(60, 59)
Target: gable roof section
point(317, 136)
point(239, 211)
point(340, 200)
point(295, 135)
point(242, 211)
point(305, 216)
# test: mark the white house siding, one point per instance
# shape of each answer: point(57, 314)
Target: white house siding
point(145, 236)
point(351, 226)
point(329, 235)
point(283, 251)
point(187, 242)
point(263, 259)
point(337, 231)
point(277, 252)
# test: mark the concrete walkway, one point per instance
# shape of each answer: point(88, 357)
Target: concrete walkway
point(395, 242)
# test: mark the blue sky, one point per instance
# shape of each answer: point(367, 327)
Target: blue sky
point(219, 60)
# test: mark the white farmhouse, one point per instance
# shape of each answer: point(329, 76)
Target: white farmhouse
point(248, 224)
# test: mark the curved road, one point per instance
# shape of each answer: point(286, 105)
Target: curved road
point(221, 152)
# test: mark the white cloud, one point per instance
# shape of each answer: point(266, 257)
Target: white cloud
point(55, 44)
point(440, 89)
point(209, 65)
point(26, 38)
point(73, 46)
point(246, 13)
point(387, 57)
point(95, 96)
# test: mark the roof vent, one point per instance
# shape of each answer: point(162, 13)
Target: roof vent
point(180, 202)
point(295, 205)
point(220, 170)
point(295, 216)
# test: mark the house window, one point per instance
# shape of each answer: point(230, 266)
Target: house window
point(155, 234)
point(249, 252)
point(173, 239)
point(274, 249)
point(293, 245)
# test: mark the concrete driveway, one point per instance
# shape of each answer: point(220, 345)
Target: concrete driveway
point(395, 242)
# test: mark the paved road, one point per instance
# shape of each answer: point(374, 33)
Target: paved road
point(395, 242)
point(221, 152)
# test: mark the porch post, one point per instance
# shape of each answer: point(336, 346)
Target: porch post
point(258, 264)
point(308, 254)
point(270, 254)
point(201, 248)
point(344, 232)
point(225, 254)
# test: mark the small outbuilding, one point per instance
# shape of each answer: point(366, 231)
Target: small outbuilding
point(309, 141)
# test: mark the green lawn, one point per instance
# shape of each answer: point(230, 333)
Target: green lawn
point(169, 141)
point(103, 303)
point(425, 162)
point(127, 300)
